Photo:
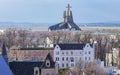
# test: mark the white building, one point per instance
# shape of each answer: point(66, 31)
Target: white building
point(115, 56)
point(67, 55)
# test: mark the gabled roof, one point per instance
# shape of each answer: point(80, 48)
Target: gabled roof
point(75, 46)
point(50, 59)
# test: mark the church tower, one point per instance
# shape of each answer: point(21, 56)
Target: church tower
point(69, 14)
point(4, 53)
point(67, 23)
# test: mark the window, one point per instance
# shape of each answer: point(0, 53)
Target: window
point(36, 72)
point(47, 63)
point(72, 59)
point(89, 58)
point(80, 58)
point(57, 58)
point(67, 65)
point(85, 58)
point(66, 53)
point(62, 58)
point(85, 52)
point(62, 65)
point(58, 65)
point(80, 52)
point(62, 53)
point(57, 53)
point(89, 52)
point(67, 59)
point(71, 53)
point(72, 65)
point(87, 45)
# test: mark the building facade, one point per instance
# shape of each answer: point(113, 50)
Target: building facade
point(112, 58)
point(35, 54)
point(68, 55)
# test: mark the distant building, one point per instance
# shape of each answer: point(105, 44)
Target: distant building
point(67, 24)
point(112, 58)
point(68, 55)
point(46, 67)
point(30, 53)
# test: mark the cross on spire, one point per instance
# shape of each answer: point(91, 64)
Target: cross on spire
point(68, 7)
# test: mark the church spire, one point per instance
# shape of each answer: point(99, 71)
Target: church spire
point(69, 14)
point(64, 16)
point(4, 52)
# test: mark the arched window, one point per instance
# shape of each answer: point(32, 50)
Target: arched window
point(36, 72)
point(89, 52)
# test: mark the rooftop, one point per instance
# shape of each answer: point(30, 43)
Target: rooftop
point(75, 46)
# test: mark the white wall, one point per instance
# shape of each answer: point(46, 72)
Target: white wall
point(87, 54)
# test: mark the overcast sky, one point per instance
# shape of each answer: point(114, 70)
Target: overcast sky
point(51, 11)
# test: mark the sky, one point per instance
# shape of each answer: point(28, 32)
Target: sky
point(51, 11)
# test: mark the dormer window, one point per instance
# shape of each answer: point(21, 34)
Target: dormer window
point(47, 63)
point(87, 45)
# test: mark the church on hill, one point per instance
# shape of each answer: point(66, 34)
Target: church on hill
point(67, 23)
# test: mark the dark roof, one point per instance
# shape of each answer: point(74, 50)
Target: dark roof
point(52, 63)
point(75, 46)
point(64, 25)
point(24, 68)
